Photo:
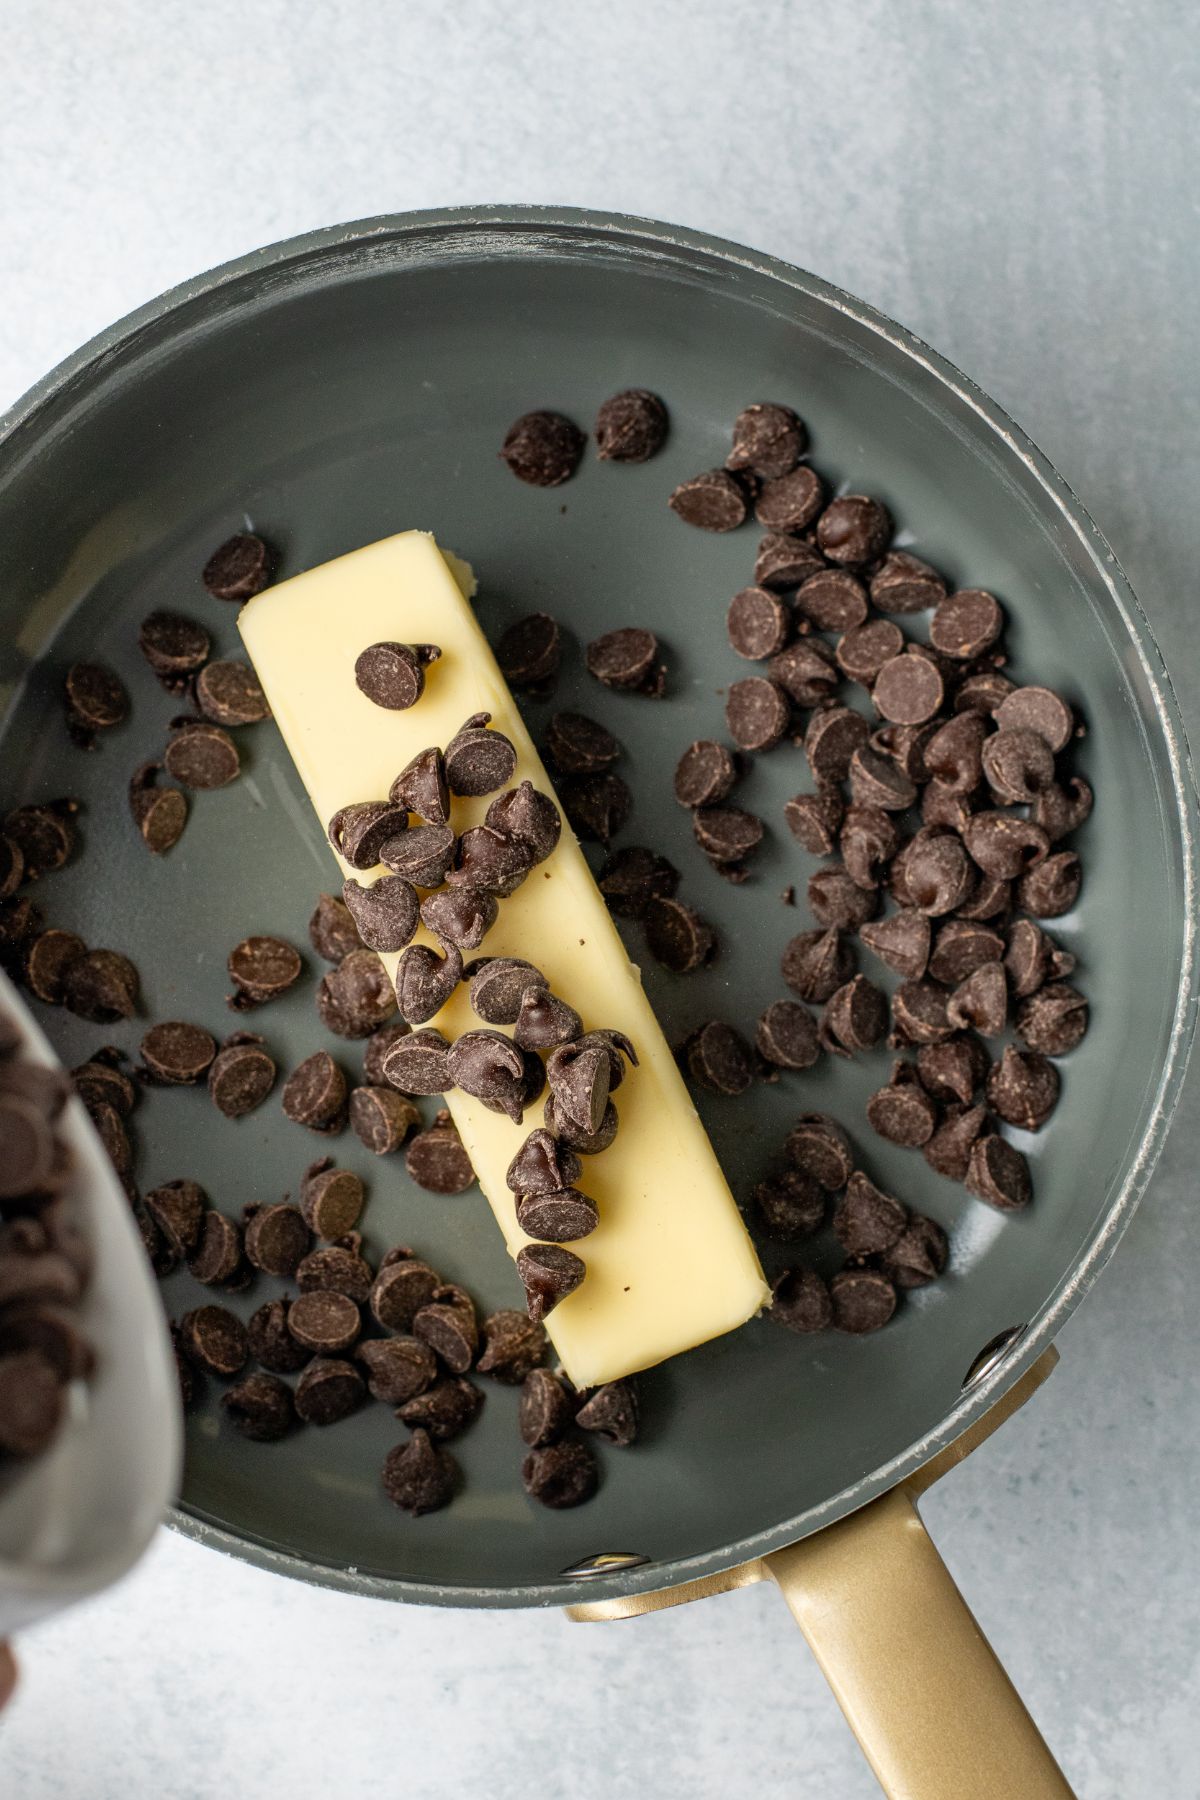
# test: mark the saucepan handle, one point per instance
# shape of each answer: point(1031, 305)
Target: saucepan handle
point(919, 1683)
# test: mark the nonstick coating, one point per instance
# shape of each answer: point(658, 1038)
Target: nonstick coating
point(359, 382)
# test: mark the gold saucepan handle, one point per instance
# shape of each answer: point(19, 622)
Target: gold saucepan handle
point(919, 1683)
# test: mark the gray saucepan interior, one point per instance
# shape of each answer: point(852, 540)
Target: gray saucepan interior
point(358, 383)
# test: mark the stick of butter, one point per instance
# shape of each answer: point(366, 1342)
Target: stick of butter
point(670, 1264)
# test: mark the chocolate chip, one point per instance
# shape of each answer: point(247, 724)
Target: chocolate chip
point(178, 1054)
point(790, 502)
point(919, 1254)
point(919, 1013)
point(491, 861)
point(982, 692)
point(757, 713)
point(962, 946)
point(331, 1199)
point(444, 1410)
point(854, 529)
point(422, 855)
point(160, 814)
point(1053, 1020)
point(953, 1069)
point(990, 898)
point(174, 647)
point(676, 936)
point(1039, 710)
point(1061, 810)
point(713, 501)
point(46, 961)
point(818, 1146)
point(218, 1251)
point(420, 788)
point(397, 1369)
point(1023, 1088)
point(940, 806)
point(230, 693)
point(487, 1065)
point(838, 901)
point(577, 745)
point(758, 623)
point(1030, 956)
point(545, 1411)
point(241, 1076)
point(179, 1211)
point(905, 745)
point(806, 671)
point(357, 997)
point(528, 815)
point(52, 1334)
point(867, 1221)
point(904, 584)
point(953, 754)
point(110, 1129)
point(417, 1477)
point(478, 761)
point(375, 1054)
point(864, 649)
point(557, 1218)
point(514, 1345)
point(101, 1081)
point(932, 872)
point(801, 1301)
point(999, 1174)
point(814, 820)
point(447, 1324)
point(436, 1158)
point(216, 1339)
point(908, 690)
point(498, 985)
point(903, 1113)
point(201, 756)
point(336, 1269)
point(830, 742)
point(854, 1019)
point(612, 1410)
point(832, 600)
point(980, 1001)
point(543, 448)
point(544, 1022)
point(261, 1408)
point(323, 1322)
point(862, 1299)
point(627, 659)
point(400, 1291)
point(385, 913)
point(392, 675)
point(100, 985)
point(381, 1118)
point(784, 562)
point(329, 1389)
point(631, 427)
point(965, 624)
point(786, 1035)
point(32, 1403)
point(901, 941)
point(790, 1205)
point(560, 1475)
point(949, 1150)
point(425, 981)
point(726, 834)
point(239, 569)
point(19, 920)
point(96, 701)
point(868, 843)
point(359, 832)
point(816, 963)
point(270, 1341)
point(261, 968)
point(1004, 845)
point(331, 930)
point(460, 916)
point(12, 867)
point(314, 1094)
point(549, 1273)
point(632, 877)
point(44, 835)
point(580, 1077)
point(543, 1165)
point(1018, 765)
point(719, 1059)
point(419, 1064)
point(768, 439)
point(1050, 889)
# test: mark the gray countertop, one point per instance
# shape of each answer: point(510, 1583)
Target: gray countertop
point(1017, 185)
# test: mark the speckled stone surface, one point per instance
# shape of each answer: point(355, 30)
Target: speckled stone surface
point(1016, 184)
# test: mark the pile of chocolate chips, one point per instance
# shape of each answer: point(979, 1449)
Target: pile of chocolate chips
point(45, 1260)
point(350, 1332)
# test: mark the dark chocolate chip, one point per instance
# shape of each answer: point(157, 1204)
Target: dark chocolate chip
point(201, 755)
point(1040, 710)
point(392, 675)
point(953, 1069)
point(12, 867)
point(230, 693)
point(866, 1220)
point(425, 981)
point(838, 901)
point(903, 1113)
point(359, 832)
point(314, 1094)
point(1018, 765)
point(863, 1300)
point(757, 713)
point(1053, 1020)
point(784, 562)
point(632, 877)
point(545, 1411)
point(239, 569)
point(1003, 845)
point(398, 1368)
point(901, 941)
point(815, 820)
point(492, 861)
point(868, 843)
point(726, 834)
point(218, 1251)
point(444, 1410)
point(557, 1218)
point(487, 1065)
point(854, 1019)
point(417, 1477)
point(806, 671)
point(421, 788)
point(436, 1158)
point(577, 745)
point(627, 659)
point(719, 1059)
point(854, 529)
point(477, 760)
point(1023, 1087)
point(44, 835)
point(758, 623)
point(336, 1269)
point(832, 600)
point(549, 1273)
point(174, 647)
point(768, 439)
point(528, 815)
point(980, 1002)
point(940, 806)
point(965, 624)
point(543, 448)
point(982, 692)
point(216, 1339)
point(543, 1165)
point(357, 997)
point(331, 930)
point(331, 1199)
point(864, 649)
point(160, 814)
point(905, 745)
point(990, 898)
point(908, 690)
point(100, 985)
point(277, 1239)
point(919, 1013)
point(422, 855)
point(816, 963)
point(677, 936)
point(241, 1076)
point(381, 1118)
point(544, 1022)
point(612, 1410)
point(461, 916)
point(904, 584)
point(790, 502)
point(801, 1301)
point(498, 986)
point(790, 1205)
point(419, 1064)
point(97, 1081)
point(819, 1147)
point(1061, 810)
point(932, 872)
point(786, 1035)
point(513, 1346)
point(262, 968)
point(375, 1054)
point(919, 1254)
point(329, 1389)
point(447, 1324)
point(999, 1174)
point(178, 1054)
point(323, 1322)
point(384, 913)
point(96, 701)
point(713, 501)
point(580, 1076)
point(830, 742)
point(261, 1407)
point(586, 1143)
point(953, 753)
point(270, 1341)
point(948, 1151)
point(47, 960)
point(631, 427)
point(1050, 889)
point(962, 946)
point(560, 1475)
point(400, 1291)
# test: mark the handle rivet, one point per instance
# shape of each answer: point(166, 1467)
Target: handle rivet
point(991, 1356)
point(605, 1562)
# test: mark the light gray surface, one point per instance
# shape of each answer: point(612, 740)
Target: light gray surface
point(1016, 188)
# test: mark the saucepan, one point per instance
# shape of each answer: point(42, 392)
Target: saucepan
point(359, 381)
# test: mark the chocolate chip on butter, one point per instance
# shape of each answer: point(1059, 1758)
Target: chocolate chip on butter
point(478, 760)
point(544, 1021)
point(330, 1389)
point(543, 448)
point(460, 916)
point(419, 1064)
point(1023, 1088)
point(713, 501)
point(790, 1205)
point(381, 1118)
point(425, 981)
point(816, 963)
point(854, 529)
point(385, 913)
point(786, 1035)
point(677, 936)
point(359, 832)
point(863, 1300)
point(1039, 710)
point(577, 745)
point(801, 1302)
point(498, 985)
point(419, 788)
point(530, 816)
point(422, 855)
point(628, 659)
point(314, 1094)
point(174, 647)
point(832, 600)
point(549, 1273)
point(904, 584)
point(631, 427)
point(489, 1066)
point(96, 700)
point(1053, 1020)
point(819, 1146)
point(999, 1174)
point(201, 755)
point(261, 968)
point(580, 1076)
point(948, 1152)
point(492, 861)
point(392, 675)
point(1051, 888)
point(230, 693)
point(543, 1164)
point(557, 1218)
point(357, 997)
